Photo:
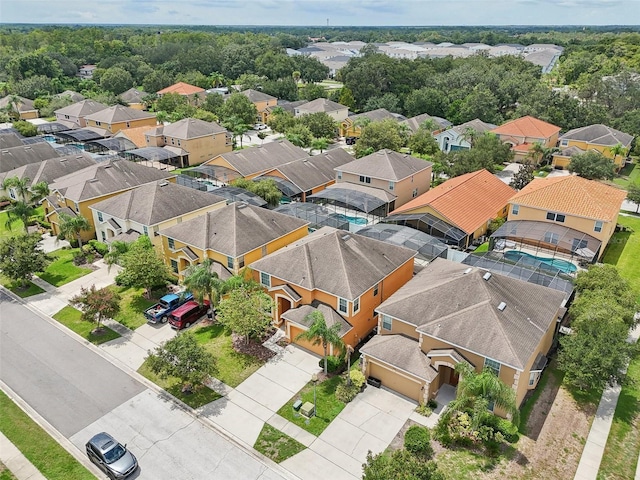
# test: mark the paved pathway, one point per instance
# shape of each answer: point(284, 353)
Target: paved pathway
point(599, 433)
point(17, 463)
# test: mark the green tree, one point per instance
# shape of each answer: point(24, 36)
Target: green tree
point(71, 227)
point(280, 120)
point(389, 101)
point(19, 186)
point(311, 91)
point(319, 333)
point(536, 153)
point(592, 166)
point(379, 135)
point(157, 80)
point(237, 127)
point(202, 281)
point(26, 129)
point(213, 103)
point(238, 105)
point(19, 211)
point(97, 304)
point(170, 102)
point(184, 358)
point(268, 190)
point(319, 144)
point(399, 465)
point(346, 98)
point(617, 149)
point(480, 103)
point(423, 143)
point(39, 191)
point(299, 135)
point(320, 124)
point(633, 194)
point(142, 267)
point(116, 80)
point(21, 256)
point(246, 312)
point(522, 177)
point(117, 249)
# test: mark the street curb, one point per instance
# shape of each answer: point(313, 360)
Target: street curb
point(248, 449)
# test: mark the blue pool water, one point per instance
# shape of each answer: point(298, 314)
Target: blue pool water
point(79, 146)
point(50, 138)
point(354, 220)
point(527, 258)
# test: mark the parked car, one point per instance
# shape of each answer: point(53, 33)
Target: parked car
point(350, 140)
point(110, 456)
point(159, 313)
point(187, 314)
point(260, 126)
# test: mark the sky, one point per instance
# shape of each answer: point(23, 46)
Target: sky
point(321, 12)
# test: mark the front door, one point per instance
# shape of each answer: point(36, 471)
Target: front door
point(453, 379)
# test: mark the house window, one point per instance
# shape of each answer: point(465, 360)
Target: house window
point(387, 322)
point(492, 366)
point(579, 243)
point(265, 279)
point(515, 209)
point(564, 143)
point(171, 243)
point(343, 305)
point(356, 305)
point(98, 123)
point(375, 289)
point(66, 117)
point(551, 237)
point(339, 175)
point(173, 142)
point(128, 126)
point(414, 194)
point(391, 185)
point(555, 217)
point(533, 378)
point(241, 261)
point(174, 266)
point(364, 179)
point(598, 226)
point(145, 230)
point(178, 142)
point(147, 138)
point(230, 262)
point(104, 236)
point(100, 217)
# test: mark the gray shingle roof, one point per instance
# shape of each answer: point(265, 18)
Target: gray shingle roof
point(251, 161)
point(8, 140)
point(256, 96)
point(598, 134)
point(570, 151)
point(74, 96)
point(300, 316)
point(414, 122)
point(50, 169)
point(461, 309)
point(320, 105)
point(234, 230)
point(24, 104)
point(14, 157)
point(379, 114)
point(81, 109)
point(401, 352)
point(336, 262)
point(133, 95)
point(386, 165)
point(106, 177)
point(156, 202)
point(477, 125)
point(118, 113)
point(191, 128)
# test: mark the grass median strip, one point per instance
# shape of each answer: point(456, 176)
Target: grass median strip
point(276, 445)
point(72, 318)
point(16, 287)
point(53, 461)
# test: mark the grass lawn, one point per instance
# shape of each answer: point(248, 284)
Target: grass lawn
point(70, 318)
point(629, 174)
point(328, 406)
point(18, 227)
point(233, 367)
point(44, 452)
point(5, 474)
point(463, 464)
point(196, 399)
point(276, 445)
point(62, 270)
point(132, 306)
point(621, 452)
point(16, 287)
point(624, 249)
point(482, 248)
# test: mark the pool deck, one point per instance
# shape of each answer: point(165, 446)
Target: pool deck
point(542, 254)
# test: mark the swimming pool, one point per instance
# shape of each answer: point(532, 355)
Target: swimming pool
point(528, 259)
point(79, 146)
point(354, 220)
point(49, 138)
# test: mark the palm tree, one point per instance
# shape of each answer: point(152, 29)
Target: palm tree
point(536, 153)
point(296, 76)
point(470, 135)
point(321, 334)
point(116, 251)
point(20, 185)
point(237, 127)
point(617, 149)
point(347, 353)
point(39, 191)
point(19, 211)
point(202, 281)
point(13, 108)
point(319, 144)
point(430, 125)
point(548, 154)
point(71, 227)
point(216, 79)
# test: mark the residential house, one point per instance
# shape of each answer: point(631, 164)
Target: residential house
point(76, 192)
point(439, 123)
point(23, 107)
point(194, 141)
point(10, 140)
point(15, 157)
point(73, 116)
point(460, 137)
point(459, 210)
point(149, 208)
point(254, 161)
point(599, 138)
point(86, 71)
point(567, 215)
point(345, 276)
point(136, 135)
point(233, 236)
point(262, 101)
point(306, 176)
point(133, 98)
point(450, 313)
point(352, 125)
point(72, 95)
point(524, 132)
point(333, 109)
point(116, 118)
point(195, 95)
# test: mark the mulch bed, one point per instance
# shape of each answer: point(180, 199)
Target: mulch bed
point(253, 348)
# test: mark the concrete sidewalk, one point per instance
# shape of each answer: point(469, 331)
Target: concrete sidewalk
point(16, 462)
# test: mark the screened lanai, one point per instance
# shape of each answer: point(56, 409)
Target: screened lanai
point(52, 127)
point(81, 135)
point(153, 154)
point(235, 194)
point(287, 188)
point(550, 239)
point(116, 144)
point(315, 214)
point(428, 247)
point(217, 174)
point(431, 225)
point(355, 200)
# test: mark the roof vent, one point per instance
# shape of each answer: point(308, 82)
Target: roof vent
point(163, 184)
point(468, 270)
point(241, 205)
point(487, 276)
point(93, 180)
point(502, 306)
point(346, 237)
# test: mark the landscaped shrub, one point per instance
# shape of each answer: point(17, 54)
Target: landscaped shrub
point(101, 248)
point(424, 410)
point(334, 364)
point(357, 378)
point(346, 393)
point(417, 440)
point(432, 404)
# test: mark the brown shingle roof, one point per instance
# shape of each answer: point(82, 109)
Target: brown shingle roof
point(527, 126)
point(81, 108)
point(181, 88)
point(335, 261)
point(466, 201)
point(118, 113)
point(461, 309)
point(136, 135)
point(300, 316)
point(320, 105)
point(401, 352)
point(386, 165)
point(188, 128)
point(24, 104)
point(572, 195)
point(256, 96)
point(251, 161)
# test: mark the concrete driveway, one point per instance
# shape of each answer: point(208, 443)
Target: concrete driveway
point(132, 347)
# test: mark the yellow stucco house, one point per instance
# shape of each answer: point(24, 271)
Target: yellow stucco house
point(24, 107)
point(233, 236)
point(116, 118)
point(345, 276)
point(566, 216)
point(75, 193)
point(599, 138)
point(352, 125)
point(74, 115)
point(262, 101)
point(522, 133)
point(450, 313)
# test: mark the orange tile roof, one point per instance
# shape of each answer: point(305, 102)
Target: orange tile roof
point(466, 201)
point(572, 195)
point(523, 147)
point(527, 127)
point(136, 135)
point(182, 89)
